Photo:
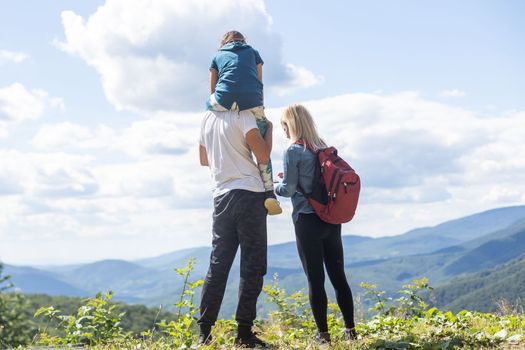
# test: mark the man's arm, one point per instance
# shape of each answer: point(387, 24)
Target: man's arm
point(258, 145)
point(203, 156)
point(214, 76)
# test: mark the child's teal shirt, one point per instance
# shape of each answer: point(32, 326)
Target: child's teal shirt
point(236, 64)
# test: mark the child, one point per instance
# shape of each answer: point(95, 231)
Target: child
point(236, 84)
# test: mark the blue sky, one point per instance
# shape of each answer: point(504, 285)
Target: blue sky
point(100, 104)
point(409, 45)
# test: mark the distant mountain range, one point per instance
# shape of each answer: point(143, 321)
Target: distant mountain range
point(460, 256)
point(496, 289)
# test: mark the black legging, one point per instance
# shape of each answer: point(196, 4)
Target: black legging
point(319, 242)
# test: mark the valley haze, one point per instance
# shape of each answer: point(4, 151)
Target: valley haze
point(451, 253)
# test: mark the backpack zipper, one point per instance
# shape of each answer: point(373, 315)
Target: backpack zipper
point(330, 188)
point(337, 188)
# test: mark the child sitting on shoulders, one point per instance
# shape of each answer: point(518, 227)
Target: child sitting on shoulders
point(236, 84)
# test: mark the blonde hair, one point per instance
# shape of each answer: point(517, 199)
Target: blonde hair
point(232, 35)
point(301, 126)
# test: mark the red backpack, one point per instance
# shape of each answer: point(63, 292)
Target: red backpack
point(335, 189)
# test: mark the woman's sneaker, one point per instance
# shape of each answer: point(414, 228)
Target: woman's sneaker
point(272, 204)
point(322, 338)
point(204, 339)
point(349, 334)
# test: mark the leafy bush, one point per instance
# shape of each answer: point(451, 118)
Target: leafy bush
point(138, 318)
point(96, 322)
point(406, 322)
point(292, 319)
point(15, 328)
point(410, 304)
point(182, 330)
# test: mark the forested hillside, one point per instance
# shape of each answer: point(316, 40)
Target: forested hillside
point(486, 291)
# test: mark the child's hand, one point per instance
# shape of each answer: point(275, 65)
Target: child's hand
point(280, 175)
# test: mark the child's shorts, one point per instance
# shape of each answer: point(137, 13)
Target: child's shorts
point(258, 111)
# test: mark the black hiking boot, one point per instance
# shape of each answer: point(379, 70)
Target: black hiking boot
point(247, 338)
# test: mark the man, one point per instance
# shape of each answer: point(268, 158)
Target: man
point(239, 218)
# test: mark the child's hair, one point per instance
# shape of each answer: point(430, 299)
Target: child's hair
point(232, 35)
point(301, 126)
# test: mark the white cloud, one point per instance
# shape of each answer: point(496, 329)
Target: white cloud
point(46, 175)
point(301, 78)
point(163, 135)
point(160, 135)
point(18, 104)
point(153, 157)
point(12, 56)
point(9, 183)
point(67, 135)
point(154, 55)
point(398, 140)
point(421, 163)
point(453, 93)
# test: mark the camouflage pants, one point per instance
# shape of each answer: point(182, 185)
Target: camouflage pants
point(239, 219)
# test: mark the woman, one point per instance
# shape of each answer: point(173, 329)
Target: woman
point(319, 243)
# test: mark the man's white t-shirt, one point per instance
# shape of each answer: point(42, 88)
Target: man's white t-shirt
point(223, 134)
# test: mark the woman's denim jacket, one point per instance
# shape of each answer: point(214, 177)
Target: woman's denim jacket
point(299, 169)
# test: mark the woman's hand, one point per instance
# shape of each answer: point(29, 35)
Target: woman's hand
point(280, 175)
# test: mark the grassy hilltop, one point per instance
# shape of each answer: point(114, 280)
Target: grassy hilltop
point(477, 263)
point(407, 322)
